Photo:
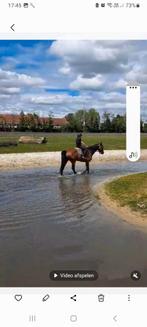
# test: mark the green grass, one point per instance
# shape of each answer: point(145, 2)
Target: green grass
point(130, 191)
point(61, 141)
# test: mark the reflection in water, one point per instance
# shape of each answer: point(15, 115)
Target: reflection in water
point(75, 195)
point(49, 222)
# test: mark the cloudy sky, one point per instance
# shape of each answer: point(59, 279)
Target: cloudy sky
point(64, 76)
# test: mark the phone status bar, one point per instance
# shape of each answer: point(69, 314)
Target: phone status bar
point(118, 5)
point(21, 5)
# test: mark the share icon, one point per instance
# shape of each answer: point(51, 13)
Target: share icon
point(74, 298)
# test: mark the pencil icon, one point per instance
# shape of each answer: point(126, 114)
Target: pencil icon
point(45, 298)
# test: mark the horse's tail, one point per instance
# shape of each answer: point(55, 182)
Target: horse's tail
point(63, 154)
point(64, 160)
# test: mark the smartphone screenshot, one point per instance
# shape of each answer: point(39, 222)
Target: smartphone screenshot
point(73, 163)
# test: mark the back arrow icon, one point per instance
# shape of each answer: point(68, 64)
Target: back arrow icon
point(12, 27)
point(115, 318)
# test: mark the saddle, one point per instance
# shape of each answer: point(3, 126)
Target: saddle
point(80, 152)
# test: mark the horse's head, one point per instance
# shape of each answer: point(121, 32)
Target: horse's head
point(101, 148)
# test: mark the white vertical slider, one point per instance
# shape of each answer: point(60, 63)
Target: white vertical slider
point(133, 122)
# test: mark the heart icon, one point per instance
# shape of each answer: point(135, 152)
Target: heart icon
point(18, 297)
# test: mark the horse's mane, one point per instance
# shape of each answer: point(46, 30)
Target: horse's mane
point(94, 146)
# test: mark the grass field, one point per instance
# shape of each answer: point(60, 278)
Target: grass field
point(61, 141)
point(130, 191)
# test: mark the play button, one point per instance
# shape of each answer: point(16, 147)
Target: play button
point(55, 275)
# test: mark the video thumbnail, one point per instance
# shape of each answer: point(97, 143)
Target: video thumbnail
point(73, 209)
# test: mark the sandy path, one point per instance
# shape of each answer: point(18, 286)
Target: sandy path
point(46, 159)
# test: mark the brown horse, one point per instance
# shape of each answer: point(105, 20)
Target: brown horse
point(73, 155)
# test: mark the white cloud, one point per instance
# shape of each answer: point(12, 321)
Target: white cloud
point(92, 57)
point(98, 70)
point(56, 99)
point(9, 90)
point(138, 75)
point(12, 79)
point(65, 69)
point(4, 96)
point(84, 50)
point(119, 84)
point(83, 83)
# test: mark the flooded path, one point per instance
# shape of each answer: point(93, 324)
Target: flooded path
point(49, 223)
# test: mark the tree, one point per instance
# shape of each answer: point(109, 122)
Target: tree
point(92, 121)
point(2, 123)
point(76, 121)
point(36, 122)
point(80, 120)
point(22, 122)
point(70, 127)
point(31, 122)
point(118, 124)
point(50, 125)
point(106, 125)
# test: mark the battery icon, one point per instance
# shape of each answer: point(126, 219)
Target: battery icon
point(26, 5)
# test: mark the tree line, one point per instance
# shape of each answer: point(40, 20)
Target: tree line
point(80, 121)
point(27, 122)
point(90, 121)
point(34, 123)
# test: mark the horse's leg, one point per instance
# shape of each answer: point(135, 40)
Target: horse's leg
point(87, 167)
point(64, 161)
point(73, 166)
point(63, 164)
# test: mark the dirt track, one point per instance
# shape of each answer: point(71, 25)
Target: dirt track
point(46, 159)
